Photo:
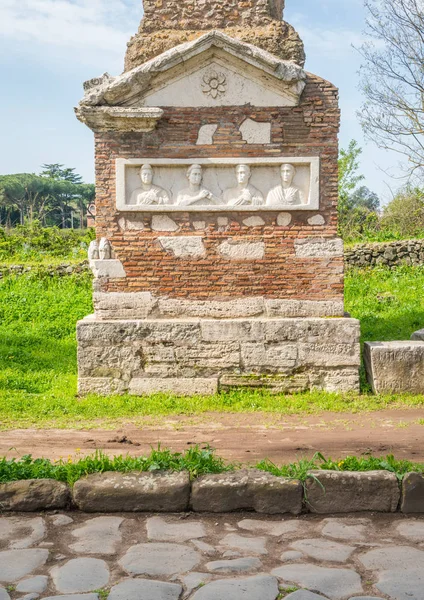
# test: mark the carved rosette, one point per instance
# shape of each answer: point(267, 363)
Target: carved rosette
point(214, 84)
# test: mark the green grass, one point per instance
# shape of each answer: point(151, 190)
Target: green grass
point(38, 355)
point(197, 461)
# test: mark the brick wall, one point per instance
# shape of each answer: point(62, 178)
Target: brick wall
point(209, 14)
point(310, 129)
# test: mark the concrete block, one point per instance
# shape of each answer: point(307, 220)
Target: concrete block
point(413, 493)
point(195, 386)
point(133, 492)
point(34, 494)
point(350, 492)
point(246, 490)
point(395, 367)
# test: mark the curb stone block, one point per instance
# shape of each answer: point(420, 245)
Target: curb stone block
point(413, 493)
point(248, 490)
point(164, 491)
point(349, 492)
point(395, 367)
point(34, 494)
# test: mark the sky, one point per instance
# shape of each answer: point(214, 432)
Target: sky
point(49, 47)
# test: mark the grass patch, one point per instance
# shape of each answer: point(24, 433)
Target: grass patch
point(197, 461)
point(38, 375)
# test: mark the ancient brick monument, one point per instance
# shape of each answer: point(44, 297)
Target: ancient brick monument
point(217, 263)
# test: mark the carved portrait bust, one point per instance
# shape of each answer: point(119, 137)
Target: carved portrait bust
point(244, 194)
point(195, 193)
point(148, 193)
point(286, 193)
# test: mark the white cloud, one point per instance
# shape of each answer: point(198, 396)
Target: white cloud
point(87, 28)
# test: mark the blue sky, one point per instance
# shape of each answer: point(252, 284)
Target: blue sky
point(49, 47)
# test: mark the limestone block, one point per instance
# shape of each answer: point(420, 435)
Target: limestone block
point(163, 223)
point(227, 331)
point(195, 386)
point(220, 355)
point(275, 383)
point(111, 269)
point(349, 492)
point(304, 308)
point(133, 492)
point(114, 361)
point(254, 222)
point(206, 133)
point(184, 247)
point(246, 490)
point(418, 336)
point(116, 305)
point(133, 223)
point(284, 219)
point(330, 355)
point(225, 309)
point(313, 330)
point(395, 367)
point(197, 225)
point(266, 356)
point(242, 250)
point(319, 248)
point(340, 379)
point(102, 386)
point(34, 494)
point(316, 220)
point(158, 353)
point(253, 132)
point(413, 493)
point(223, 221)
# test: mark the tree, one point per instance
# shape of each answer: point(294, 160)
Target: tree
point(60, 173)
point(348, 173)
point(26, 192)
point(363, 197)
point(404, 215)
point(393, 78)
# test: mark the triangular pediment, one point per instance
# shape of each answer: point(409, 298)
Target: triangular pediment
point(214, 70)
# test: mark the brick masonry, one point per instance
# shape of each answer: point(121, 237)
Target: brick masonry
point(311, 129)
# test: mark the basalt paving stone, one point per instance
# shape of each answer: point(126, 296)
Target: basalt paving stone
point(252, 545)
point(74, 597)
point(80, 575)
point(36, 584)
point(304, 595)
point(98, 536)
point(32, 596)
point(3, 594)
point(145, 589)
point(402, 584)
point(204, 547)
point(393, 557)
point(22, 533)
point(412, 530)
point(349, 530)
point(291, 555)
point(239, 565)
point(16, 564)
point(159, 559)
point(333, 583)
point(159, 530)
point(324, 550)
point(193, 580)
point(261, 587)
point(274, 528)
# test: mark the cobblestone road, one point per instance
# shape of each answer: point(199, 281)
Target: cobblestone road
point(229, 557)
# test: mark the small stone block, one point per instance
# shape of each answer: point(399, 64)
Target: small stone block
point(395, 367)
point(34, 494)
point(246, 490)
point(413, 493)
point(133, 492)
point(418, 336)
point(350, 492)
point(177, 386)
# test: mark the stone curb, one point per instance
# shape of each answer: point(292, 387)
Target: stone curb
point(324, 492)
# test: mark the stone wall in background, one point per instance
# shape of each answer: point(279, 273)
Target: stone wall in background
point(410, 252)
point(51, 270)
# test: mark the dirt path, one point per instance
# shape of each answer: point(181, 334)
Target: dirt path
point(240, 437)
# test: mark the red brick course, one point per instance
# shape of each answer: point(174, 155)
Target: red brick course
point(310, 129)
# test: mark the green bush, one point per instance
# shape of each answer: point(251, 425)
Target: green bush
point(35, 243)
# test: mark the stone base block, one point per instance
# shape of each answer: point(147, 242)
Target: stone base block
point(247, 490)
point(133, 492)
point(395, 367)
point(418, 336)
point(34, 494)
point(413, 493)
point(203, 356)
point(349, 492)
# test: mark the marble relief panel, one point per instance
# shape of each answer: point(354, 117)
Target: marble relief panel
point(166, 185)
